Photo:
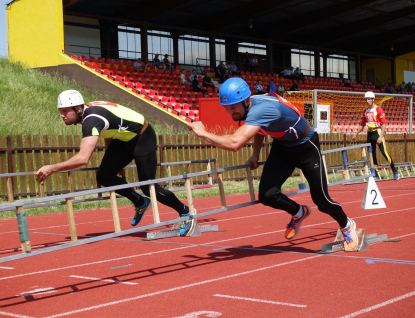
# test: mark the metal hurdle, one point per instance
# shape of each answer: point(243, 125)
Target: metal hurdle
point(24, 233)
point(346, 165)
point(71, 177)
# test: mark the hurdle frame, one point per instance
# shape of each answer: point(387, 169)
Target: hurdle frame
point(18, 206)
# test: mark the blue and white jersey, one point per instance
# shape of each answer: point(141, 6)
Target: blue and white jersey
point(278, 118)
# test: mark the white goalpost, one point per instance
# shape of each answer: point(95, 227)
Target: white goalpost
point(335, 111)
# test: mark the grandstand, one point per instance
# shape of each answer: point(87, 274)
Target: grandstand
point(86, 34)
point(163, 88)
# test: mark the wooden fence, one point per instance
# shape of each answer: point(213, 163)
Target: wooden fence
point(29, 153)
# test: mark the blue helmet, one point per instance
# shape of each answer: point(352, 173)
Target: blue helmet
point(233, 91)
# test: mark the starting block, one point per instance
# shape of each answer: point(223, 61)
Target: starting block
point(175, 231)
point(363, 242)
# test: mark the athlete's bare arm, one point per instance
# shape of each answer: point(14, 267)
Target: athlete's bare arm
point(86, 149)
point(232, 142)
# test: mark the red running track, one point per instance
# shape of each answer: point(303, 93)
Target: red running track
point(248, 269)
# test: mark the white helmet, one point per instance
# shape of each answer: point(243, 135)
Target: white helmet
point(369, 95)
point(70, 98)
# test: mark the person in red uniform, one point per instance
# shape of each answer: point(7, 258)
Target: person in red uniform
point(375, 120)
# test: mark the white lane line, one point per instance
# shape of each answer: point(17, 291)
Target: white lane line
point(189, 246)
point(5, 313)
point(385, 303)
point(5, 267)
point(214, 207)
point(181, 287)
point(103, 280)
point(260, 300)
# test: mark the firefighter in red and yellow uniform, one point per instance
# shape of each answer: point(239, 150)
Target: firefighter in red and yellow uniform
point(375, 120)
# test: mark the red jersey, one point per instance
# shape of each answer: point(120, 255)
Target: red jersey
point(373, 118)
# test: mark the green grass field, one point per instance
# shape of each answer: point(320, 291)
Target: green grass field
point(28, 105)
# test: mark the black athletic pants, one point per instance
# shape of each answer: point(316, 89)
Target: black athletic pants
point(372, 137)
point(143, 150)
point(279, 166)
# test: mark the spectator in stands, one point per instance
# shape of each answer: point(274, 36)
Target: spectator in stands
point(192, 76)
point(288, 73)
point(207, 82)
point(196, 86)
point(295, 145)
point(401, 88)
point(389, 89)
point(247, 61)
point(298, 74)
point(259, 88)
point(233, 69)
point(228, 70)
point(375, 120)
point(295, 86)
point(347, 84)
point(128, 136)
point(271, 87)
point(156, 62)
point(183, 80)
point(221, 72)
point(167, 64)
point(281, 89)
point(254, 63)
point(139, 65)
point(408, 87)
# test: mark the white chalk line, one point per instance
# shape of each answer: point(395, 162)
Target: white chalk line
point(260, 300)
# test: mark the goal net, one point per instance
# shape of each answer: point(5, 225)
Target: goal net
point(338, 111)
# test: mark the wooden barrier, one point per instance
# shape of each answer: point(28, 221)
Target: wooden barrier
point(28, 153)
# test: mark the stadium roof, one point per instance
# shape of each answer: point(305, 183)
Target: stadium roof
point(383, 28)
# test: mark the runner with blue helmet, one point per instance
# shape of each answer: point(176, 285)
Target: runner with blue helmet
point(295, 145)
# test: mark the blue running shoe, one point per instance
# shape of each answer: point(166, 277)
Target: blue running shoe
point(293, 228)
point(396, 176)
point(350, 237)
point(139, 211)
point(188, 225)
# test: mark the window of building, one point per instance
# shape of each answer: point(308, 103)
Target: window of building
point(252, 48)
point(161, 43)
point(129, 42)
point(304, 60)
point(194, 50)
point(337, 66)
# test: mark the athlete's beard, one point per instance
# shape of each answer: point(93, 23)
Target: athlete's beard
point(237, 116)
